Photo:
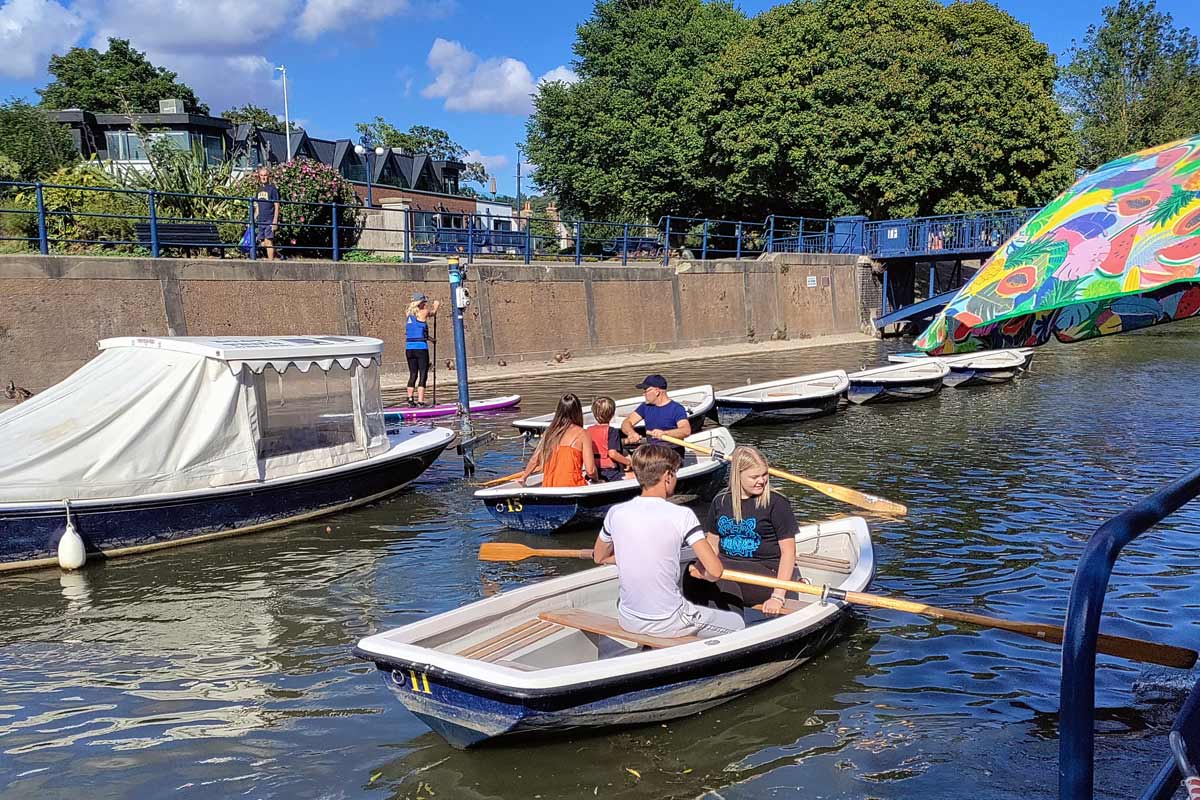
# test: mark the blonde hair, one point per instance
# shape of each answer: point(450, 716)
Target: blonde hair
point(652, 461)
point(741, 459)
point(603, 409)
point(412, 308)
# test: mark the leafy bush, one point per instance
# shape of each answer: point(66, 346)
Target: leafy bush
point(309, 182)
point(81, 218)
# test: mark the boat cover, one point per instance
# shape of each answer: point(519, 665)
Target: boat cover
point(138, 420)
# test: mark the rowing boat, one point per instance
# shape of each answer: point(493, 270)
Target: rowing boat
point(398, 415)
point(538, 509)
point(976, 369)
point(786, 400)
point(696, 400)
point(897, 382)
point(551, 657)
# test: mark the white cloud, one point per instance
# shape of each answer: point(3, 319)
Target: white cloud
point(469, 83)
point(224, 81)
point(320, 16)
point(182, 26)
point(31, 31)
point(493, 164)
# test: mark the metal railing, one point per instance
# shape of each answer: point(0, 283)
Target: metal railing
point(58, 218)
point(1077, 694)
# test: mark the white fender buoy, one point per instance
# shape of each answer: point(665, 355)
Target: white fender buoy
point(71, 552)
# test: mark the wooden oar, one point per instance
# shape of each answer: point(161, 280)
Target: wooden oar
point(503, 551)
point(1132, 649)
point(502, 479)
point(843, 493)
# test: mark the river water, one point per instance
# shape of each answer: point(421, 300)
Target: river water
point(224, 669)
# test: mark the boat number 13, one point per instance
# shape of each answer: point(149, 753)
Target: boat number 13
point(417, 681)
point(509, 505)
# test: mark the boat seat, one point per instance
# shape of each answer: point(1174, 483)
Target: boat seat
point(826, 563)
point(591, 622)
point(510, 641)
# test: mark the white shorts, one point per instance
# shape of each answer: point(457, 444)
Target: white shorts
point(689, 620)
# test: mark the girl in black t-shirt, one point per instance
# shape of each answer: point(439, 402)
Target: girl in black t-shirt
point(754, 533)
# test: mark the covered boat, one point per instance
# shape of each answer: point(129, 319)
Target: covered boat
point(538, 509)
point(551, 657)
point(976, 369)
point(897, 382)
point(697, 400)
point(162, 441)
point(786, 400)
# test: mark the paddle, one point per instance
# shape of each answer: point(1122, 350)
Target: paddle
point(502, 551)
point(502, 479)
point(1132, 649)
point(434, 342)
point(845, 494)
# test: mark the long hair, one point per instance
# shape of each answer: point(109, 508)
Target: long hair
point(412, 309)
point(568, 413)
point(741, 459)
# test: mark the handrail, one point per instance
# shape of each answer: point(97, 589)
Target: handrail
point(1077, 693)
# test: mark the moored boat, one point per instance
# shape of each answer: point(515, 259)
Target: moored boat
point(398, 415)
point(539, 509)
point(897, 382)
point(977, 369)
point(551, 657)
point(786, 400)
point(158, 442)
point(696, 400)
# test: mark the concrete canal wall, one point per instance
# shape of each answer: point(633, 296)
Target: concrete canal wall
point(53, 309)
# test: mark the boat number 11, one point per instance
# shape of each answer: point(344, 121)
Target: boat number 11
point(509, 505)
point(417, 681)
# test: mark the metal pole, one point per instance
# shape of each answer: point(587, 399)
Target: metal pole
point(287, 121)
point(369, 171)
point(43, 239)
point(704, 243)
point(528, 239)
point(578, 242)
point(625, 246)
point(771, 234)
point(932, 279)
point(739, 240)
point(470, 238)
point(337, 253)
point(667, 243)
point(153, 224)
point(458, 299)
point(253, 234)
point(519, 184)
point(883, 301)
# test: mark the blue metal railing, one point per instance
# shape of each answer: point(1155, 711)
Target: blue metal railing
point(1077, 695)
point(332, 230)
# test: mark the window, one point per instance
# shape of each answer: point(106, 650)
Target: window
point(300, 411)
point(214, 149)
point(124, 146)
point(502, 224)
point(353, 169)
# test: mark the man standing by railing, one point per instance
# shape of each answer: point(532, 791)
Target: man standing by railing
point(266, 212)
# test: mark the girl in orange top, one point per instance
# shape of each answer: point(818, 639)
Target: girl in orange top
point(565, 451)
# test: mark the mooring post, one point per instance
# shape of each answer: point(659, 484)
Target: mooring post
point(459, 300)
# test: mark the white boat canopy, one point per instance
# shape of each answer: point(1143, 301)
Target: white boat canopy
point(174, 414)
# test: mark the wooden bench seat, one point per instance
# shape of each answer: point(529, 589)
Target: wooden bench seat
point(826, 563)
point(591, 622)
point(502, 645)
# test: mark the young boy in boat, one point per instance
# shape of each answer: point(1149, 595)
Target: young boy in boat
point(611, 462)
point(659, 412)
point(643, 537)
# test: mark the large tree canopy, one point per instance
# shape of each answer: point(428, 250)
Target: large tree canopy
point(35, 143)
point(817, 108)
point(94, 81)
point(1133, 82)
point(619, 142)
point(257, 116)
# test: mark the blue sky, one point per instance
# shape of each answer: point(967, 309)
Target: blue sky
point(463, 65)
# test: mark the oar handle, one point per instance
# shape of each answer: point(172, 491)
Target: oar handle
point(1124, 647)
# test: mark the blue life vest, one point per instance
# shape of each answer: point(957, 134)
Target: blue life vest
point(416, 334)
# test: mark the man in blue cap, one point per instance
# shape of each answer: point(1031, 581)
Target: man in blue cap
point(659, 412)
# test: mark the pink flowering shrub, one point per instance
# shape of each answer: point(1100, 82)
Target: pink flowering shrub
point(306, 181)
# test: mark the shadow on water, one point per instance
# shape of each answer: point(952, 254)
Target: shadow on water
point(225, 668)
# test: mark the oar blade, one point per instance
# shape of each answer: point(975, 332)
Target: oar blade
point(504, 551)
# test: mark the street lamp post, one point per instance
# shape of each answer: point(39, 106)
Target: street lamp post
point(362, 151)
point(287, 121)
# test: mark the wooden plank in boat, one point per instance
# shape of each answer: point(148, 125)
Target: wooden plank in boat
point(591, 622)
point(509, 641)
point(827, 563)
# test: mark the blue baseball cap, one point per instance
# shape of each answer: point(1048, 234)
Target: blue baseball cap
point(653, 381)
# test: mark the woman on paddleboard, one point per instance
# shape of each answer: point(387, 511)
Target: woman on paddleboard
point(416, 344)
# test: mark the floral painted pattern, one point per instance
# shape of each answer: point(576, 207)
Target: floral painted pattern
point(1118, 251)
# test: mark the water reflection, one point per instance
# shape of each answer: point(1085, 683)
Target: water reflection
point(225, 668)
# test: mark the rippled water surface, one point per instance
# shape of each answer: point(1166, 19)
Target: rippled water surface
point(224, 669)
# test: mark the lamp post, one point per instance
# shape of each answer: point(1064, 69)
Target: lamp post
point(362, 151)
point(287, 121)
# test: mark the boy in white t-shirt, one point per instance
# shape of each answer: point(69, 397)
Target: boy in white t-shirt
point(643, 538)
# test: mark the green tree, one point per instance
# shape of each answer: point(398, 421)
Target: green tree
point(1133, 82)
point(112, 80)
point(618, 143)
point(885, 108)
point(34, 141)
point(257, 116)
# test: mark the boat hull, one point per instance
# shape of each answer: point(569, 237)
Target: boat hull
point(468, 713)
point(864, 392)
point(546, 514)
point(743, 414)
point(966, 377)
point(29, 533)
